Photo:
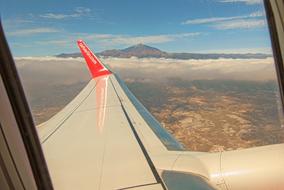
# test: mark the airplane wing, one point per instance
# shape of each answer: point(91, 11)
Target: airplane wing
point(106, 139)
point(96, 141)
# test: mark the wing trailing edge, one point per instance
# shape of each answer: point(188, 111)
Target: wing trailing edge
point(96, 67)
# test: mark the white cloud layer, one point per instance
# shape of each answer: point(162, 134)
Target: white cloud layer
point(151, 68)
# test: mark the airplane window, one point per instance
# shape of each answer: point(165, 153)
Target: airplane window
point(177, 94)
point(206, 72)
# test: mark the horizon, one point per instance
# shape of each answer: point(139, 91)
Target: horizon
point(50, 28)
point(202, 53)
point(147, 45)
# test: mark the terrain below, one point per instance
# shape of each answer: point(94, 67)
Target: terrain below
point(215, 115)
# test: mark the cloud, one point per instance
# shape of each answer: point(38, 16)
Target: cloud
point(248, 2)
point(32, 31)
point(117, 39)
point(210, 20)
point(257, 14)
point(150, 39)
point(55, 16)
point(131, 40)
point(16, 21)
point(220, 19)
point(47, 58)
point(252, 20)
point(78, 12)
point(151, 68)
point(13, 23)
point(54, 42)
point(240, 24)
point(232, 69)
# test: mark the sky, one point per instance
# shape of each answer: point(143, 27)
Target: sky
point(45, 28)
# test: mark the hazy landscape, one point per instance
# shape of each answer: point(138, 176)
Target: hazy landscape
point(207, 104)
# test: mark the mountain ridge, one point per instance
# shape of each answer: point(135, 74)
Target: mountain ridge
point(145, 51)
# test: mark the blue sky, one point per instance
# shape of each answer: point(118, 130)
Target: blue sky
point(39, 28)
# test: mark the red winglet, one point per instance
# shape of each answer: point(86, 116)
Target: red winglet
point(95, 65)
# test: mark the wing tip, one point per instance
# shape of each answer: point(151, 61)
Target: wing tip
point(80, 41)
point(96, 67)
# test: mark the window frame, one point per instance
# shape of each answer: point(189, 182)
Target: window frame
point(22, 114)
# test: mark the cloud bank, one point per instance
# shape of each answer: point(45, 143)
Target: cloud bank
point(53, 70)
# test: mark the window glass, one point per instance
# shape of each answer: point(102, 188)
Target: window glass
point(203, 68)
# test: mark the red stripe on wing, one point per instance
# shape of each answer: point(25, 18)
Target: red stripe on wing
point(95, 65)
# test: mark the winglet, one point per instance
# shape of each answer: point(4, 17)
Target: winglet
point(96, 67)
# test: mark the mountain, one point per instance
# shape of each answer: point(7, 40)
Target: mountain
point(140, 51)
point(144, 51)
